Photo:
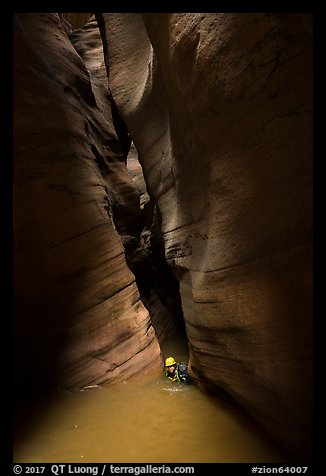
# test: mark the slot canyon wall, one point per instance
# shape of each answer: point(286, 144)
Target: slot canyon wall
point(219, 107)
point(78, 315)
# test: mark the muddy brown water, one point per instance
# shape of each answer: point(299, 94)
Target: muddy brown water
point(149, 421)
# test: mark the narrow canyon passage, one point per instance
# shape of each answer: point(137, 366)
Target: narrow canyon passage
point(143, 421)
point(162, 206)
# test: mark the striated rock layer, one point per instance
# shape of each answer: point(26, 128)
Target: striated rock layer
point(130, 205)
point(219, 107)
point(78, 315)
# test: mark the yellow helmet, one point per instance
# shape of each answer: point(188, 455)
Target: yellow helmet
point(169, 361)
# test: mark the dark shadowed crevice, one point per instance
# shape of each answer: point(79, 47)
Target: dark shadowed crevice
point(144, 246)
point(168, 286)
point(157, 285)
point(121, 129)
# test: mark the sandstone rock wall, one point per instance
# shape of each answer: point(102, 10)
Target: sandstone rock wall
point(78, 316)
point(73, 21)
point(132, 210)
point(219, 107)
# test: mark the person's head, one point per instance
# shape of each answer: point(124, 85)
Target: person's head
point(170, 365)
